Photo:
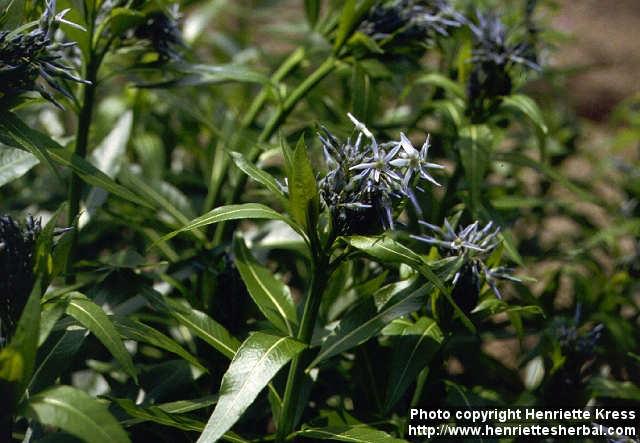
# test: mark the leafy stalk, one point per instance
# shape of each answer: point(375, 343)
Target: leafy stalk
point(272, 126)
point(320, 274)
point(82, 138)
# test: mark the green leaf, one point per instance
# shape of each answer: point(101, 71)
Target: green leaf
point(312, 11)
point(135, 330)
point(197, 75)
point(349, 18)
point(528, 107)
point(262, 177)
point(11, 14)
point(624, 390)
point(108, 157)
point(75, 412)
point(346, 23)
point(14, 163)
point(304, 202)
point(360, 91)
point(49, 316)
point(257, 361)
point(412, 351)
point(474, 146)
point(55, 357)
point(43, 258)
point(364, 321)
point(161, 195)
point(16, 133)
point(183, 406)
point(230, 212)
point(123, 19)
point(205, 327)
point(17, 359)
point(272, 297)
point(440, 81)
point(390, 251)
point(156, 414)
point(492, 306)
point(354, 434)
point(92, 317)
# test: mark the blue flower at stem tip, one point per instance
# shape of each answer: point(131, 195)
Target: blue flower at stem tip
point(366, 179)
point(473, 244)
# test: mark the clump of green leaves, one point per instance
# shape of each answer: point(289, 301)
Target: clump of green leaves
point(234, 273)
point(32, 59)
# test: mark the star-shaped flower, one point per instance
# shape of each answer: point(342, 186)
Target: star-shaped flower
point(415, 161)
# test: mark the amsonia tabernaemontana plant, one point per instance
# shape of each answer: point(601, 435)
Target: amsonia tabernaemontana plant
point(296, 220)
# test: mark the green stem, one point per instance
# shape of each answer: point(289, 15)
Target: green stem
point(298, 94)
point(290, 402)
point(82, 139)
point(272, 126)
point(285, 68)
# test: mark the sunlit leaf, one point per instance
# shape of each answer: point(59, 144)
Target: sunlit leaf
point(75, 412)
point(257, 361)
point(272, 297)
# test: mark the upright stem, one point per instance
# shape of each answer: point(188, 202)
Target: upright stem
point(287, 419)
point(272, 126)
point(291, 62)
point(82, 138)
point(220, 165)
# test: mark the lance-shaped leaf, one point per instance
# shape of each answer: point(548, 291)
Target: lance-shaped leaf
point(474, 146)
point(92, 317)
point(14, 163)
point(312, 11)
point(259, 175)
point(189, 74)
point(75, 412)
point(413, 348)
point(272, 297)
point(17, 360)
point(196, 321)
point(257, 361)
point(354, 434)
point(135, 330)
point(232, 212)
point(387, 250)
point(364, 321)
point(351, 15)
point(443, 82)
point(206, 328)
point(157, 415)
point(14, 132)
point(108, 157)
point(55, 357)
point(528, 107)
point(304, 202)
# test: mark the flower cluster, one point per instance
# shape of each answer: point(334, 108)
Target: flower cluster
point(26, 57)
point(578, 349)
point(160, 29)
point(17, 245)
point(494, 53)
point(365, 178)
point(473, 244)
point(574, 343)
point(410, 24)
